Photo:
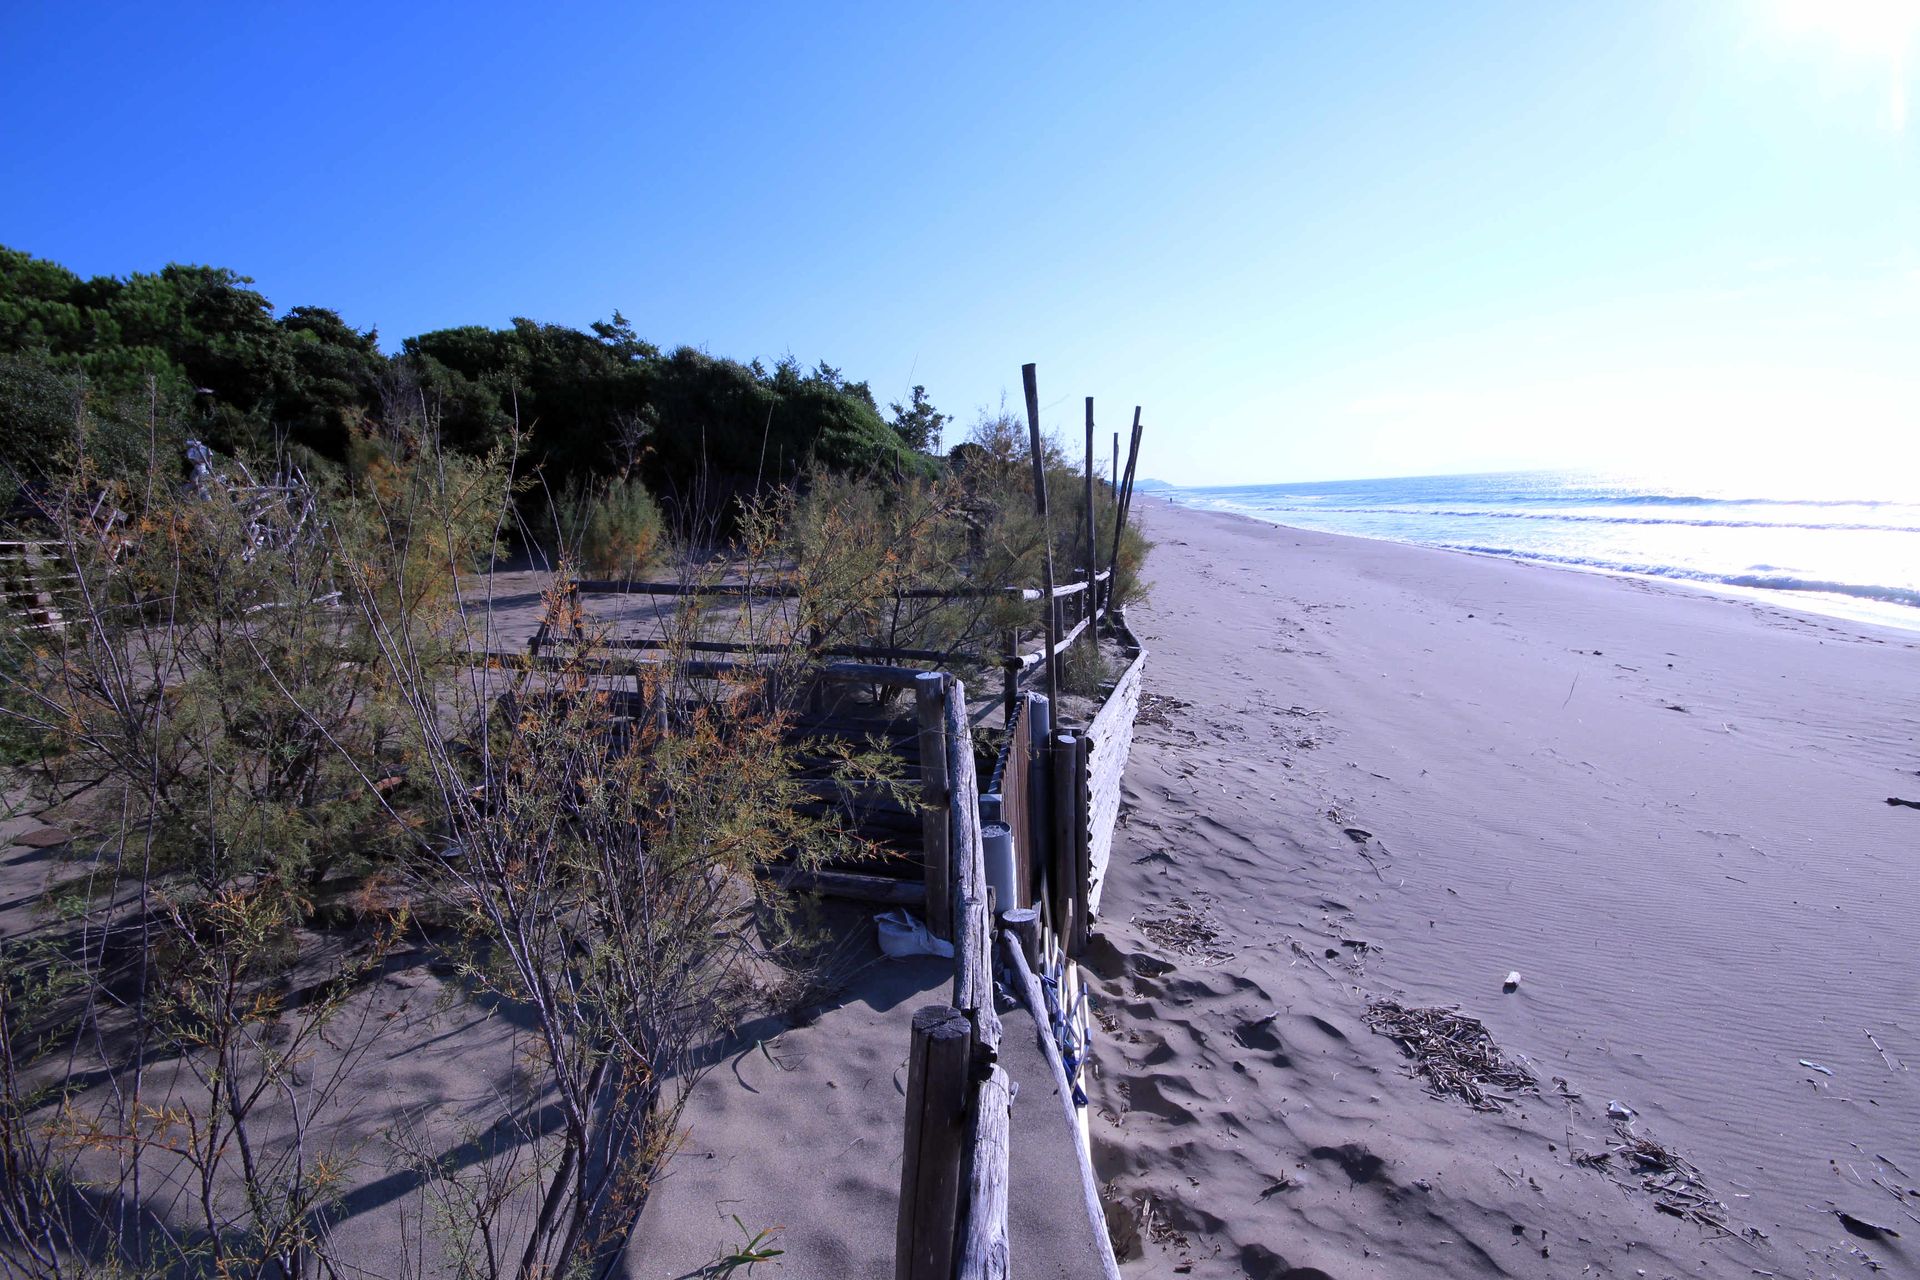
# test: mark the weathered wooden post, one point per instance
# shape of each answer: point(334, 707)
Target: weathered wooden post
point(1028, 378)
point(1039, 731)
point(931, 1165)
point(983, 1241)
point(1061, 868)
point(1082, 853)
point(930, 704)
point(1120, 499)
point(1113, 498)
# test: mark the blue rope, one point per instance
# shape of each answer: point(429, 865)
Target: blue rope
point(1074, 1049)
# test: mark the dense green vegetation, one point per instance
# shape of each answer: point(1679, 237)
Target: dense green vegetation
point(194, 350)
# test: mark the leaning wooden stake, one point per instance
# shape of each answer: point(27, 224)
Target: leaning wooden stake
point(1092, 603)
point(1014, 943)
point(930, 1163)
point(1120, 500)
point(930, 702)
point(1032, 386)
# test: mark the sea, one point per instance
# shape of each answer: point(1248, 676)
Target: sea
point(1847, 551)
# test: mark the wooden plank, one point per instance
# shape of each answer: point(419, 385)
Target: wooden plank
point(1110, 744)
point(930, 698)
point(865, 651)
point(939, 1065)
point(781, 591)
point(983, 1237)
point(1015, 943)
point(859, 888)
point(1082, 871)
point(1016, 804)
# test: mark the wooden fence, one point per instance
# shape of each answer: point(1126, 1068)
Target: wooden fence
point(33, 575)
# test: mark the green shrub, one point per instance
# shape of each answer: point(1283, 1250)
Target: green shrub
point(611, 527)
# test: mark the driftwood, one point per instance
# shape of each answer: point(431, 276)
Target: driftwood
point(1455, 1053)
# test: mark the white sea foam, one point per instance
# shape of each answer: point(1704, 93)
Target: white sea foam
point(1856, 554)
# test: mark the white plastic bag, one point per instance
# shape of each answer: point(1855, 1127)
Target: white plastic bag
point(903, 935)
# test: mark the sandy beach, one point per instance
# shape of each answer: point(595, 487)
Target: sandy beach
point(1370, 771)
point(1383, 771)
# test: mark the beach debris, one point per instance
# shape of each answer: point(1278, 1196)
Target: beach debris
point(1455, 1053)
point(1617, 1110)
point(1825, 1071)
point(1674, 706)
point(1512, 984)
point(1911, 804)
point(1677, 1186)
point(1158, 709)
point(1187, 928)
point(1884, 1057)
point(902, 934)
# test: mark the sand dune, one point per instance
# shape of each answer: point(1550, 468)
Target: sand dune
point(1666, 810)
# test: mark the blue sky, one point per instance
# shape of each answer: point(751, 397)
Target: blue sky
point(1313, 241)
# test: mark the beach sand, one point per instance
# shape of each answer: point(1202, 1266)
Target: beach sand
point(1665, 809)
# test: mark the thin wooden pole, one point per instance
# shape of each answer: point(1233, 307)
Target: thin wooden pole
point(1028, 378)
point(1010, 680)
point(1092, 602)
point(1120, 502)
point(930, 703)
point(938, 1066)
point(1015, 944)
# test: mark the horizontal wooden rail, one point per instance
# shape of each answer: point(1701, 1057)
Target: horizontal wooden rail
point(847, 672)
point(783, 591)
point(642, 643)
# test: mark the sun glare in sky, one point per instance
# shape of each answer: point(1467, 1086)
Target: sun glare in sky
point(1874, 27)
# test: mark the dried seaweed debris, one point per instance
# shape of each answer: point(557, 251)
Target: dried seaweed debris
point(1453, 1052)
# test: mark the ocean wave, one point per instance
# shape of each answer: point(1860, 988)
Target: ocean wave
point(1579, 518)
point(1758, 581)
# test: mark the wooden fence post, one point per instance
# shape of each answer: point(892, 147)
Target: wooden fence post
point(1032, 387)
point(938, 1067)
point(983, 1241)
point(1082, 801)
point(1061, 858)
point(930, 703)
